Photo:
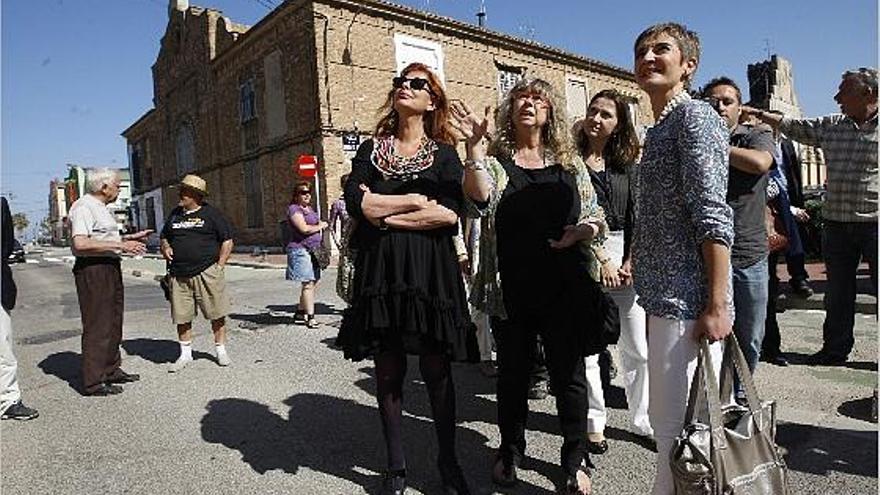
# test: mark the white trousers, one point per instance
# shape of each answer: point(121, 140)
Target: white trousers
point(596, 413)
point(672, 360)
point(9, 391)
point(485, 342)
point(633, 347)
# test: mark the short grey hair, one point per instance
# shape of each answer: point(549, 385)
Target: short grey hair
point(97, 177)
point(867, 76)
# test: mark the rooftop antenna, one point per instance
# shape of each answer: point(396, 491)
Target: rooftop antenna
point(427, 9)
point(481, 15)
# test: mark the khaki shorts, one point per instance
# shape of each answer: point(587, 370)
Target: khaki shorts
point(205, 291)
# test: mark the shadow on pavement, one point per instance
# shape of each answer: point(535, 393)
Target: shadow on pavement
point(858, 409)
point(262, 319)
point(64, 365)
point(335, 436)
point(271, 316)
point(320, 309)
point(471, 406)
point(817, 450)
point(628, 436)
point(158, 351)
point(801, 358)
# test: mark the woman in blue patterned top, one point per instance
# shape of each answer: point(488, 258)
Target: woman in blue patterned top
point(683, 230)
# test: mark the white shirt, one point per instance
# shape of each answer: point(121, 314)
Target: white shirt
point(90, 217)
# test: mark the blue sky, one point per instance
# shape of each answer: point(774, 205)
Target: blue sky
point(75, 73)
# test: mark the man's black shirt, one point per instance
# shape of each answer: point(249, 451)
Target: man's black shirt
point(195, 238)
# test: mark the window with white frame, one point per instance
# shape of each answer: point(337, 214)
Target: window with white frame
point(409, 49)
point(576, 95)
point(248, 101)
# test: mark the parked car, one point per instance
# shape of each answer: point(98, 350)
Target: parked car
point(17, 255)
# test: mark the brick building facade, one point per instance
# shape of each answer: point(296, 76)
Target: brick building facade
point(237, 105)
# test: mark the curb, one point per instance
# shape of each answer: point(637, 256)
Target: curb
point(246, 264)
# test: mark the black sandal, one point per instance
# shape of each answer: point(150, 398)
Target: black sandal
point(507, 477)
point(453, 479)
point(394, 482)
point(597, 448)
point(299, 317)
point(311, 322)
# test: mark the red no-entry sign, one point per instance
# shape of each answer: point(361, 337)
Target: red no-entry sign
point(307, 166)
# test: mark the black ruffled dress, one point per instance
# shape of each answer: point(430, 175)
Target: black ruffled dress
point(408, 292)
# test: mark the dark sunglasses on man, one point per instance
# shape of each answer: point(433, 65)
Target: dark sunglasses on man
point(416, 83)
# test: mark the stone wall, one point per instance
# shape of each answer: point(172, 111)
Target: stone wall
point(319, 69)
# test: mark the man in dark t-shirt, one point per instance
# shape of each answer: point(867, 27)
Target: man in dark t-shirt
point(197, 242)
point(751, 157)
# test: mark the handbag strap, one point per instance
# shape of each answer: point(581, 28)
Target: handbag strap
point(704, 384)
point(712, 395)
point(735, 362)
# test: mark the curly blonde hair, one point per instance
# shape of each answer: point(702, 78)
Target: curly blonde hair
point(555, 134)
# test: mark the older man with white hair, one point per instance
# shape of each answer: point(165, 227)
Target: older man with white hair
point(97, 245)
point(849, 236)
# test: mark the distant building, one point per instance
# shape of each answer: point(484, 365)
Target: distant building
point(58, 212)
point(771, 87)
point(63, 193)
point(237, 104)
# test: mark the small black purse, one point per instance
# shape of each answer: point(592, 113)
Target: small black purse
point(610, 314)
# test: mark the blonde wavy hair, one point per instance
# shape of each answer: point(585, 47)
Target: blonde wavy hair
point(555, 135)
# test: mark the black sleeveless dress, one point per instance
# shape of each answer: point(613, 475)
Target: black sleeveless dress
point(408, 291)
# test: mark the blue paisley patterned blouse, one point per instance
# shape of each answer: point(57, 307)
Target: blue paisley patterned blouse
point(680, 202)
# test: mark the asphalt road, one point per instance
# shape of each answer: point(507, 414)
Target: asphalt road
point(292, 416)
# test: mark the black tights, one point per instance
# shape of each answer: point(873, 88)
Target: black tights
point(437, 374)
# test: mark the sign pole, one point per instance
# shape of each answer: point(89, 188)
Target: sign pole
point(318, 196)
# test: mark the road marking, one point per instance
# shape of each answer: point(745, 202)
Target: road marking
point(54, 260)
point(33, 262)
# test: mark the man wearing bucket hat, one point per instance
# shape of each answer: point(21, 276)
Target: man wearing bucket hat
point(197, 242)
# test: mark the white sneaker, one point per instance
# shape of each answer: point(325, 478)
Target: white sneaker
point(223, 359)
point(180, 364)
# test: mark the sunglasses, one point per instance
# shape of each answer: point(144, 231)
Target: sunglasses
point(304, 191)
point(416, 83)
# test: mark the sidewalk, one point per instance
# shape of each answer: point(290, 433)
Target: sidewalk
point(866, 298)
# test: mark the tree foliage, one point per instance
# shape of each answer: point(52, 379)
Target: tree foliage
point(20, 222)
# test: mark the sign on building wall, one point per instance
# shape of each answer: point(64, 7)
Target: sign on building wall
point(409, 49)
point(350, 142)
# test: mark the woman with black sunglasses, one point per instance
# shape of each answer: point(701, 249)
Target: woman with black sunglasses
point(408, 294)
